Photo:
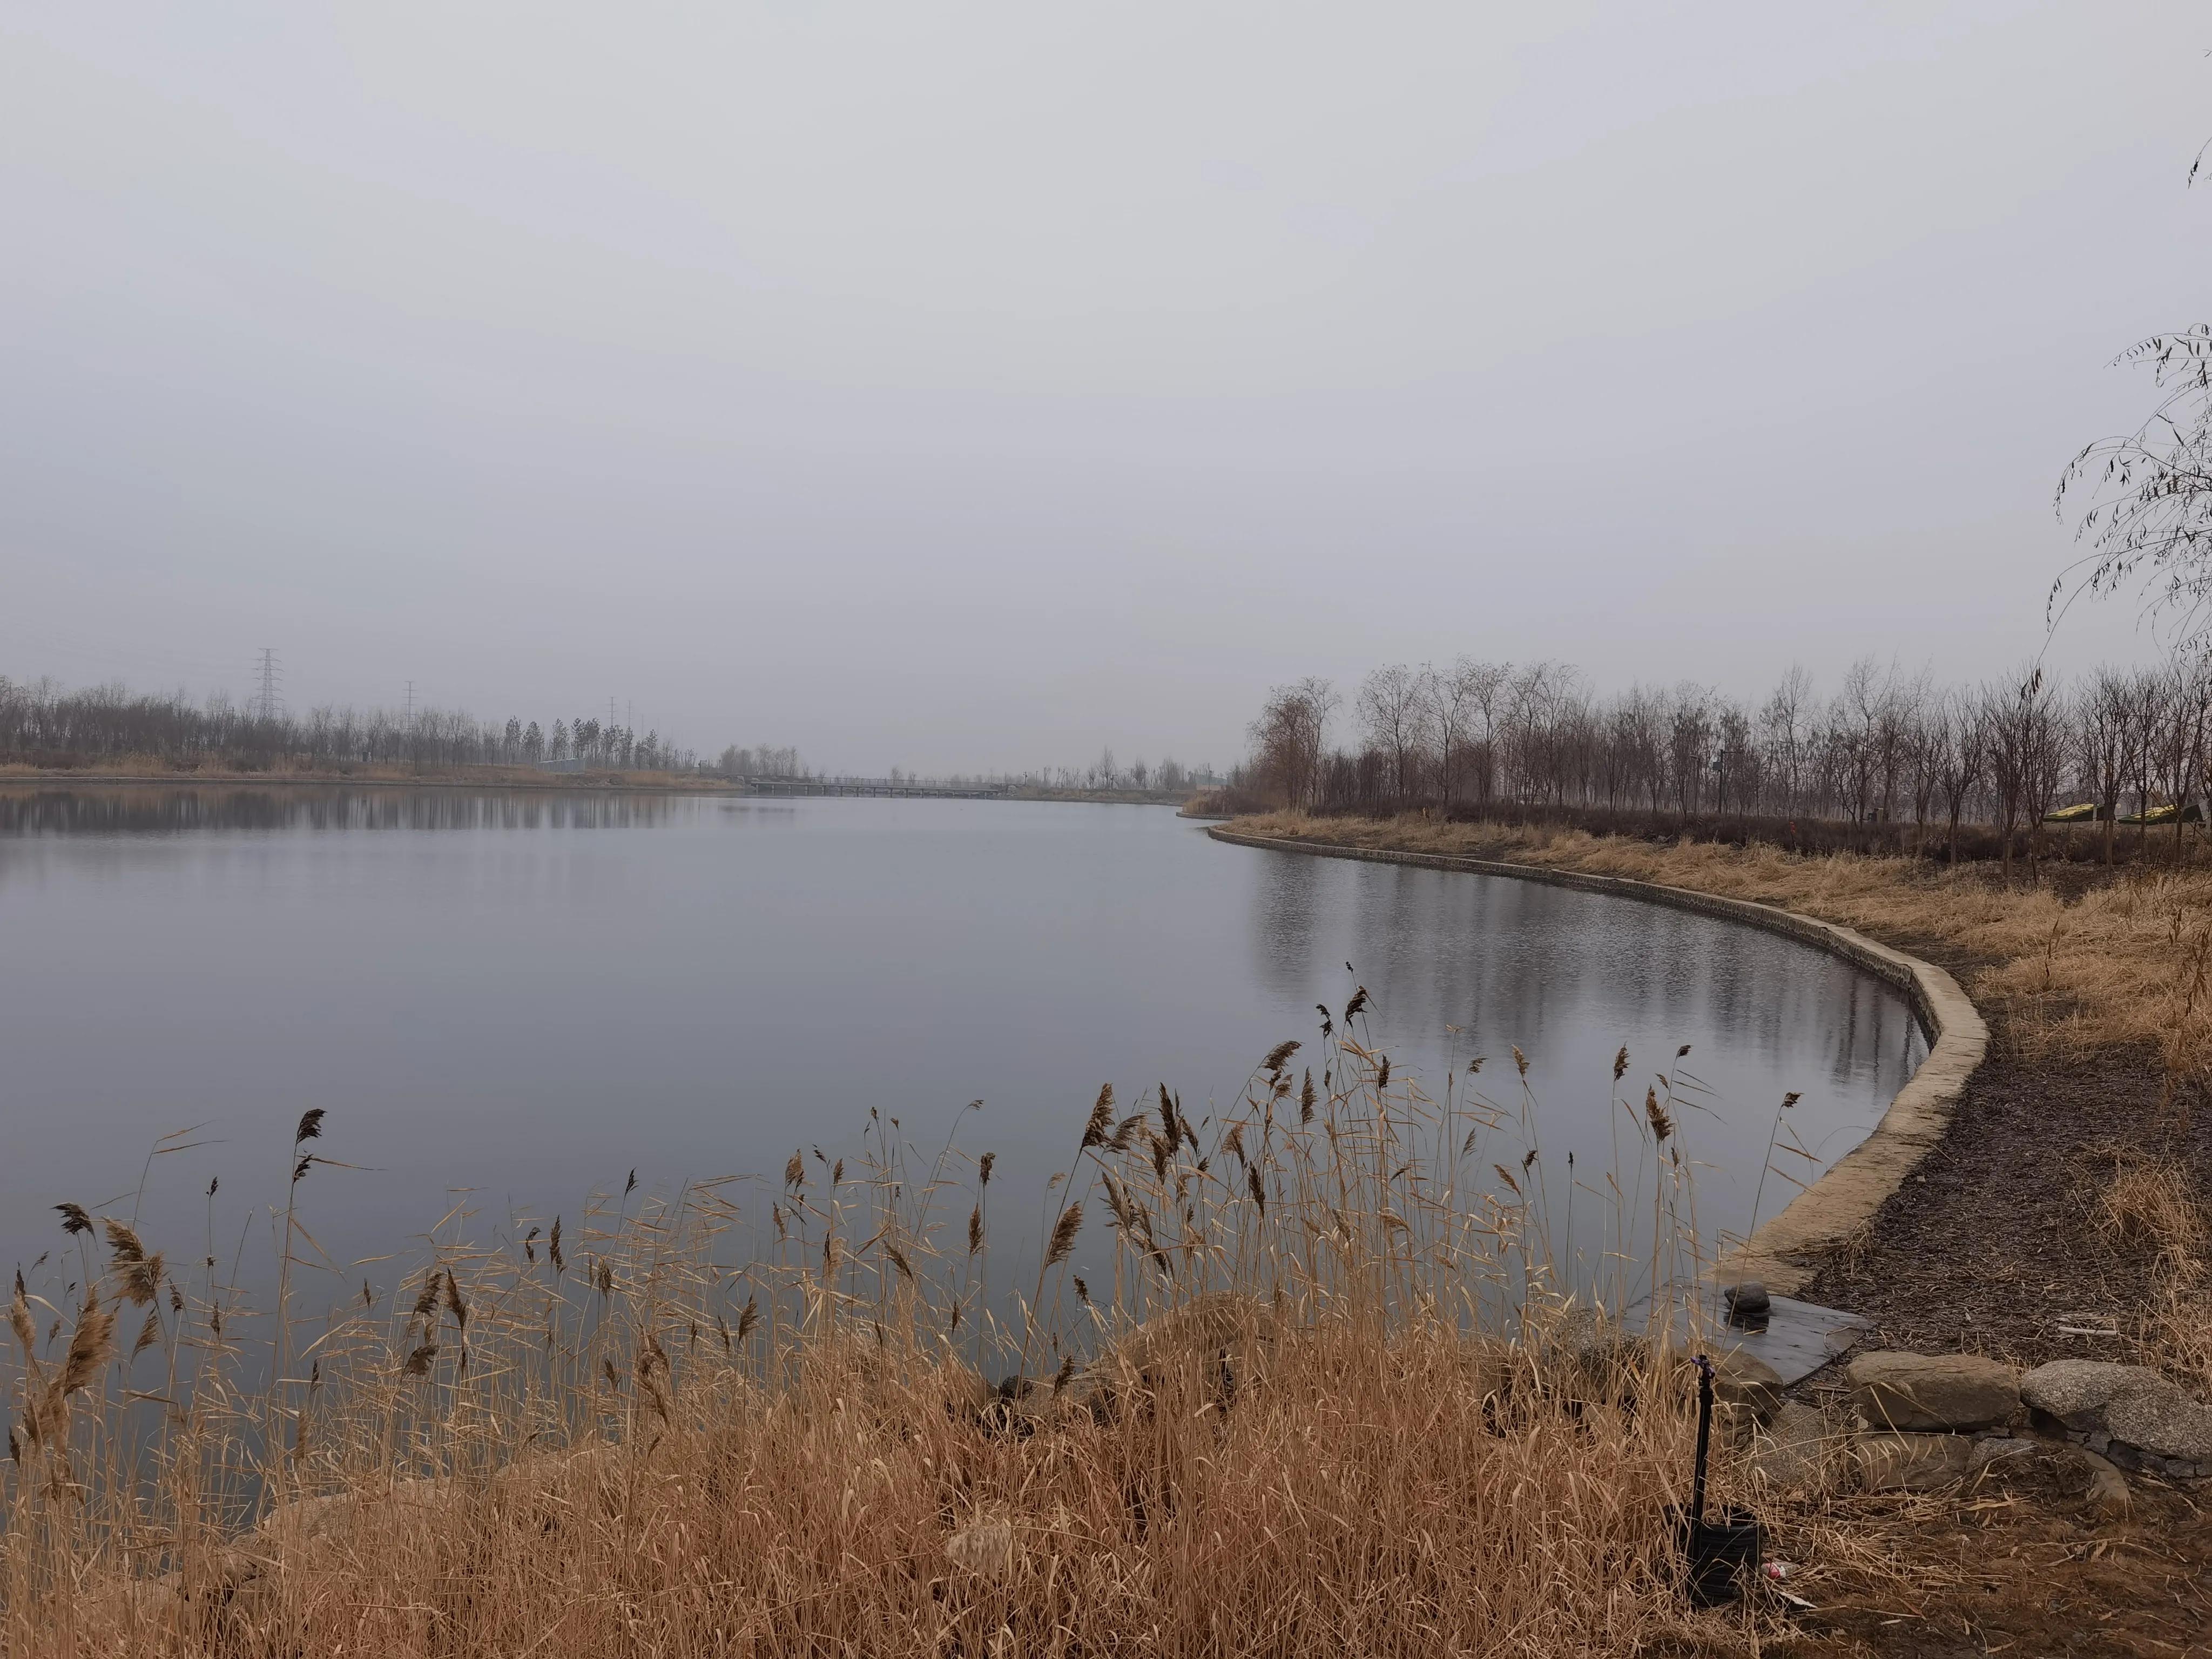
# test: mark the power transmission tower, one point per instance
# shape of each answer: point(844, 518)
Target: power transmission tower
point(267, 704)
point(410, 702)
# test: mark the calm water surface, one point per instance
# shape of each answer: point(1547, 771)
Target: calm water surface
point(509, 1001)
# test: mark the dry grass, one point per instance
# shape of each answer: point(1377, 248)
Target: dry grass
point(1317, 1397)
point(2150, 1204)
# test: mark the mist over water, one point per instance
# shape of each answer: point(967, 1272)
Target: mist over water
point(506, 1001)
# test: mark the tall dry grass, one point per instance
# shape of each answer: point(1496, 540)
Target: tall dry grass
point(1318, 1390)
point(2149, 1203)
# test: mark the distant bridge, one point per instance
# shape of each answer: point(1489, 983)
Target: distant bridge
point(874, 786)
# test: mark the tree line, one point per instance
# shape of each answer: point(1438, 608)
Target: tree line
point(1915, 762)
point(41, 724)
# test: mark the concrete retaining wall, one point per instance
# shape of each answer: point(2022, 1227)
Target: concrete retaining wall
point(1787, 1250)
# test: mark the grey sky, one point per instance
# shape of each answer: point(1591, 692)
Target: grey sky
point(957, 385)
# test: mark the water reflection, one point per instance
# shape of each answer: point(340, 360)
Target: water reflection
point(173, 810)
point(1461, 966)
point(524, 1013)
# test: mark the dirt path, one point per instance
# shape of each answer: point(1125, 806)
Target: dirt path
point(2000, 1237)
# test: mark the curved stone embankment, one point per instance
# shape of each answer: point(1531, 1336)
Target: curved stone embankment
point(1787, 1250)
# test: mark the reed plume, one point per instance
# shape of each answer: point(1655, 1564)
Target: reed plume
point(1102, 1119)
point(1063, 1236)
point(91, 1344)
point(122, 1242)
point(142, 1279)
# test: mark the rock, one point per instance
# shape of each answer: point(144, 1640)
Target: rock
point(1587, 1361)
point(1217, 1341)
point(984, 1547)
point(1749, 1306)
point(2108, 1488)
point(1746, 1386)
point(967, 1396)
point(2054, 1468)
point(1791, 1456)
point(1949, 1394)
point(2129, 1413)
point(1910, 1462)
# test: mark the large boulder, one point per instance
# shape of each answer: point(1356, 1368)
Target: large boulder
point(2128, 1413)
point(1586, 1358)
point(1791, 1456)
point(1910, 1462)
point(1217, 1343)
point(1747, 1388)
point(1941, 1393)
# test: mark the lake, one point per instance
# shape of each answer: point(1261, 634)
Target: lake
point(508, 1001)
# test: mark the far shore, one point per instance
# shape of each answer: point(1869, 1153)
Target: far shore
point(504, 777)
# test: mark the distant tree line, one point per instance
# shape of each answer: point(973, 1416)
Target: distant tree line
point(1168, 776)
point(1916, 764)
point(764, 762)
point(1106, 774)
point(42, 724)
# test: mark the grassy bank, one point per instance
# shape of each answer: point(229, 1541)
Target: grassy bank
point(1289, 1382)
point(2067, 1196)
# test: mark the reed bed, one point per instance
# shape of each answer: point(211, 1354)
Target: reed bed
point(1302, 1377)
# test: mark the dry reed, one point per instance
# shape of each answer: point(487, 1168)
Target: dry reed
point(1335, 1400)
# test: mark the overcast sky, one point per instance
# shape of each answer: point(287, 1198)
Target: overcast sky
point(960, 387)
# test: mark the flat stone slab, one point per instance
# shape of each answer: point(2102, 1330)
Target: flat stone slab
point(1911, 1462)
point(1799, 1337)
point(1949, 1393)
point(2128, 1413)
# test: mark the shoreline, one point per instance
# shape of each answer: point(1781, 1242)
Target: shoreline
point(498, 778)
point(2020, 1231)
point(1788, 1249)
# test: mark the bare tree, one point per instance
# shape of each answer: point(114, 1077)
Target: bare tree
point(1962, 739)
point(1392, 710)
point(1455, 699)
point(2178, 751)
point(2026, 756)
point(2148, 492)
point(2106, 726)
point(1785, 723)
point(1290, 736)
point(2047, 744)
